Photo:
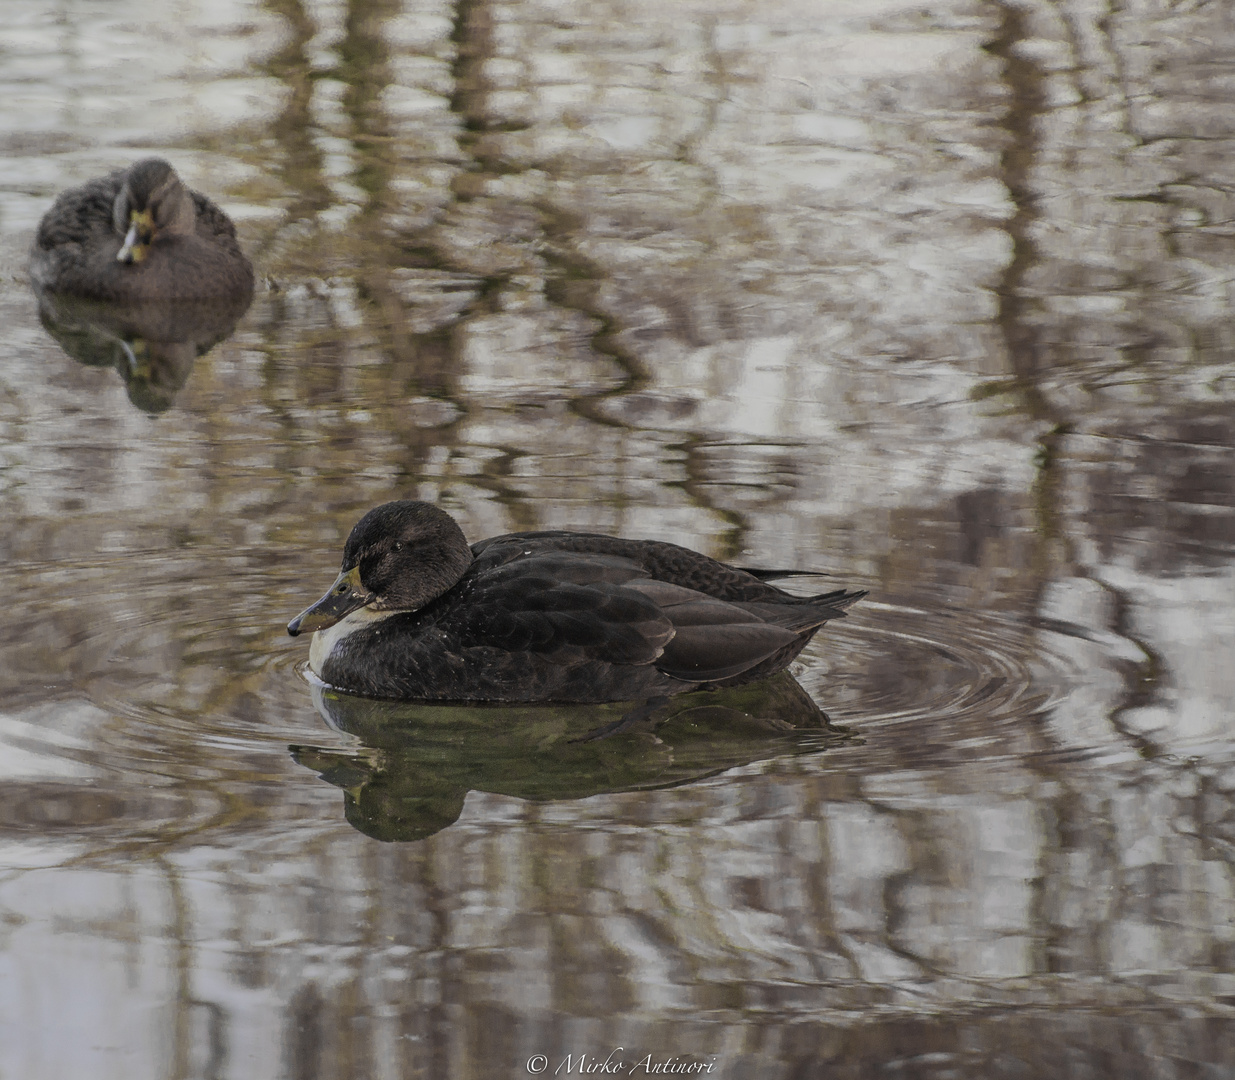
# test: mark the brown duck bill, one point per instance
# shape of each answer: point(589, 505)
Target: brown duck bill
point(343, 597)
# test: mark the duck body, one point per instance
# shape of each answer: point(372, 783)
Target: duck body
point(418, 614)
point(138, 235)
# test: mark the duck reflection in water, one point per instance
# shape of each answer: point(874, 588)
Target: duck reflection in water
point(418, 761)
point(152, 345)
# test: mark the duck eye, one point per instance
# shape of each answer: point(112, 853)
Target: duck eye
point(398, 545)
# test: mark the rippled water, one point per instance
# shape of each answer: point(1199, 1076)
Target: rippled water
point(936, 301)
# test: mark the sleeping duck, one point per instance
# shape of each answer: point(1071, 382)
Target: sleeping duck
point(418, 614)
point(139, 235)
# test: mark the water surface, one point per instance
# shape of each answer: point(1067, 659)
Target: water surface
point(934, 300)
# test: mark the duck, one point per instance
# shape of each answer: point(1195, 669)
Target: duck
point(418, 613)
point(136, 235)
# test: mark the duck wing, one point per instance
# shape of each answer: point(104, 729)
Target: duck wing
point(79, 214)
point(571, 607)
point(566, 607)
point(715, 639)
point(212, 224)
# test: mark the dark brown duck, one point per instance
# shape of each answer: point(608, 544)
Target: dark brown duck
point(417, 614)
point(139, 235)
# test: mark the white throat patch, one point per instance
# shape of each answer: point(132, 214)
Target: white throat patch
point(326, 641)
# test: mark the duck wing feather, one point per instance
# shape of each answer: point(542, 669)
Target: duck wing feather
point(715, 639)
point(79, 213)
point(571, 607)
point(212, 224)
point(562, 606)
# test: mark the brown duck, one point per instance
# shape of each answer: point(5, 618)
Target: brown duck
point(139, 235)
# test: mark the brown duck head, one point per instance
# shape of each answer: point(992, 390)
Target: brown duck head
point(152, 202)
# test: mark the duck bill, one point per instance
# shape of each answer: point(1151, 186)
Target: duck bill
point(344, 596)
point(133, 250)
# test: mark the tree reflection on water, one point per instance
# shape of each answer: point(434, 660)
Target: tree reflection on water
point(936, 301)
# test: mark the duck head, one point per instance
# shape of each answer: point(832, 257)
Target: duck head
point(152, 202)
point(399, 557)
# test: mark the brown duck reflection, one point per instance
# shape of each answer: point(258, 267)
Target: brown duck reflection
point(419, 761)
point(152, 344)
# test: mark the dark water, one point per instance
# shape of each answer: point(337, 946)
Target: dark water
point(934, 299)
